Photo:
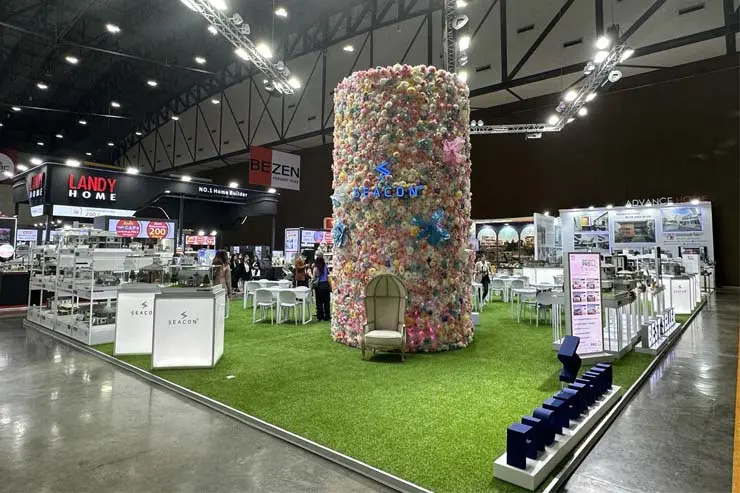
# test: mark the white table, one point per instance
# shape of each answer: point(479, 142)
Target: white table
point(544, 286)
point(284, 283)
point(522, 292)
point(301, 293)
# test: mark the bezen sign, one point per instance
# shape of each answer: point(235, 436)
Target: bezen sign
point(275, 169)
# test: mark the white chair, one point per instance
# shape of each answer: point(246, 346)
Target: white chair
point(515, 284)
point(269, 284)
point(263, 300)
point(545, 301)
point(498, 286)
point(287, 301)
point(250, 288)
point(385, 308)
point(527, 301)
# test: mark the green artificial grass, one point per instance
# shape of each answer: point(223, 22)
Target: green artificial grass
point(438, 420)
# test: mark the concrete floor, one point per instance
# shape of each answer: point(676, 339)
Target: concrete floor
point(676, 435)
point(71, 422)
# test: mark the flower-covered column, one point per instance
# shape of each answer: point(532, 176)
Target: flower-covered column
point(402, 201)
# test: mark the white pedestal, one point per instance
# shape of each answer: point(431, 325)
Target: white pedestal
point(538, 470)
point(188, 327)
point(680, 294)
point(135, 319)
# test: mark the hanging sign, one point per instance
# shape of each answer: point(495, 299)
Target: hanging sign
point(200, 240)
point(276, 169)
point(585, 301)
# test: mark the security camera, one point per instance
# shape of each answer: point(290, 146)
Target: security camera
point(615, 75)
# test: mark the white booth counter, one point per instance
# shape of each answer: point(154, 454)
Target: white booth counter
point(188, 327)
point(544, 275)
point(135, 318)
point(682, 292)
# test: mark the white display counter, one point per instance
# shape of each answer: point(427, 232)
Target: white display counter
point(135, 318)
point(188, 327)
point(680, 293)
point(543, 275)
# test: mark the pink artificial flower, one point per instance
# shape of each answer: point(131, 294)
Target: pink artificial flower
point(453, 151)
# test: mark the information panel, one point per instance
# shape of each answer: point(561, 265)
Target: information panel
point(585, 301)
point(134, 228)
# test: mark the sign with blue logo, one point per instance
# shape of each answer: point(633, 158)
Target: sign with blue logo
point(385, 191)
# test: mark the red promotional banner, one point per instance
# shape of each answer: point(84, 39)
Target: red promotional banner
point(157, 230)
point(329, 223)
point(128, 228)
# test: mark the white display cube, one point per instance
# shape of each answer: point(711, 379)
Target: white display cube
point(135, 319)
point(188, 327)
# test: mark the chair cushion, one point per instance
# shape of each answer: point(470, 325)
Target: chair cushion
point(384, 337)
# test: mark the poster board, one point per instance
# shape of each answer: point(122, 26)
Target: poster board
point(584, 300)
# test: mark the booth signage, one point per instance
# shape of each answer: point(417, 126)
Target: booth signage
point(92, 187)
point(387, 192)
point(6, 163)
point(271, 168)
point(308, 237)
point(200, 240)
point(27, 235)
point(137, 228)
point(291, 240)
point(127, 228)
point(221, 192)
point(585, 301)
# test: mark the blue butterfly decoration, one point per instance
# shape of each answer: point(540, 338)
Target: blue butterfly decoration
point(431, 230)
point(339, 233)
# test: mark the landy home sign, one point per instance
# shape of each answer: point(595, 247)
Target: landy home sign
point(92, 187)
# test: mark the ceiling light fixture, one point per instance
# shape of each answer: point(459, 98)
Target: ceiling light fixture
point(8, 174)
point(603, 42)
point(264, 50)
point(41, 85)
point(590, 207)
point(463, 43)
point(175, 117)
point(189, 4)
point(570, 120)
point(627, 53)
point(212, 29)
point(462, 76)
point(132, 171)
point(233, 184)
point(152, 83)
point(112, 28)
point(583, 111)
point(201, 232)
point(138, 134)
point(241, 53)
point(115, 104)
point(601, 56)
point(40, 144)
point(570, 96)
point(72, 163)
point(72, 60)
point(694, 201)
point(553, 120)
point(218, 4)
point(22, 167)
point(16, 108)
point(82, 122)
point(59, 136)
point(88, 154)
point(609, 206)
point(271, 190)
point(590, 97)
point(214, 232)
point(281, 12)
point(111, 144)
point(461, 4)
point(348, 48)
point(36, 161)
point(294, 83)
point(200, 60)
point(215, 101)
point(186, 178)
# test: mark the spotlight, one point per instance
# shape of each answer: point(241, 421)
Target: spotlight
point(214, 232)
point(603, 43)
point(349, 48)
point(473, 123)
point(42, 86)
point(200, 60)
point(167, 191)
point(462, 76)
point(627, 53)
point(36, 161)
point(186, 178)
point(241, 53)
point(218, 4)
point(281, 12)
point(264, 50)
point(459, 22)
point(294, 83)
point(152, 83)
point(463, 43)
point(590, 207)
point(115, 104)
point(271, 190)
point(111, 144)
point(601, 56)
point(22, 167)
point(215, 101)
point(16, 108)
point(212, 29)
point(570, 120)
point(59, 136)
point(82, 122)
point(570, 96)
point(461, 4)
point(583, 111)
point(40, 143)
point(233, 184)
point(132, 171)
point(480, 123)
point(138, 134)
point(72, 163)
point(72, 60)
point(694, 202)
point(201, 232)
point(553, 120)
point(8, 174)
point(112, 28)
point(88, 154)
point(615, 75)
point(175, 117)
point(590, 97)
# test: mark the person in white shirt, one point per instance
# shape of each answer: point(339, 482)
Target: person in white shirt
point(483, 274)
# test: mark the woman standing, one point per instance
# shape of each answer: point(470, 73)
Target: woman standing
point(483, 274)
point(300, 271)
point(323, 289)
point(221, 271)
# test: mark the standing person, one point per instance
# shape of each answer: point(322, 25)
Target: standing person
point(221, 271)
point(483, 274)
point(300, 271)
point(323, 289)
point(234, 267)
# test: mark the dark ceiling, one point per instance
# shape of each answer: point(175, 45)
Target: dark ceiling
point(159, 40)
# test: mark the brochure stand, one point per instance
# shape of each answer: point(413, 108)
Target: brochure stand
point(188, 327)
point(135, 318)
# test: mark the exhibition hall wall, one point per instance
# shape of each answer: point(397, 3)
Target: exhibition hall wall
point(671, 133)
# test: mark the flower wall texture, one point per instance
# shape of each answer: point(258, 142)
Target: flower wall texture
point(402, 201)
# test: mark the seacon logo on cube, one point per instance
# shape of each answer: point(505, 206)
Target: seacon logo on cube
point(184, 319)
point(143, 310)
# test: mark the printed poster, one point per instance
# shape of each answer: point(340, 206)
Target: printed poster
point(585, 301)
